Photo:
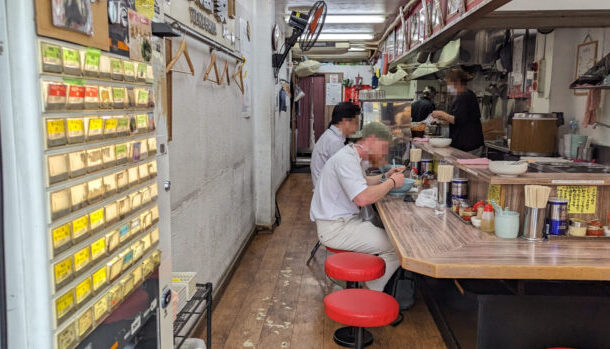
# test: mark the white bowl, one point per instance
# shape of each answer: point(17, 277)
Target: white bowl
point(508, 168)
point(440, 142)
point(476, 222)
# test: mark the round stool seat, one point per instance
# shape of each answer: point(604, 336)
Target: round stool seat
point(361, 308)
point(334, 250)
point(354, 266)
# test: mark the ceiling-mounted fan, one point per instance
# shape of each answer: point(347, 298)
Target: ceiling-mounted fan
point(307, 27)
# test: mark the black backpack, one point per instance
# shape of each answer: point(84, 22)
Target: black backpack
point(401, 286)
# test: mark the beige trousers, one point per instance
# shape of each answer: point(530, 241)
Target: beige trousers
point(354, 234)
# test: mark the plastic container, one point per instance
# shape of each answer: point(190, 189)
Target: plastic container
point(188, 278)
point(193, 343)
point(487, 219)
point(507, 225)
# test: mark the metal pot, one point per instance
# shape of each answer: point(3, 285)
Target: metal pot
point(535, 134)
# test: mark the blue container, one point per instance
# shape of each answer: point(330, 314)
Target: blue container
point(557, 216)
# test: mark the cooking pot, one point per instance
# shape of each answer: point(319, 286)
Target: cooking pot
point(535, 134)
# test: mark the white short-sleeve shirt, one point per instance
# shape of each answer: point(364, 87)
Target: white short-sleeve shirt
point(331, 141)
point(340, 181)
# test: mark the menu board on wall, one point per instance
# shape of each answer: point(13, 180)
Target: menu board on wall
point(581, 199)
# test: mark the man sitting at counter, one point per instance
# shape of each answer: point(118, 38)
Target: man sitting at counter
point(464, 114)
point(344, 123)
point(341, 191)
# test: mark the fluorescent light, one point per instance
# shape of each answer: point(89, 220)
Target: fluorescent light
point(347, 19)
point(333, 37)
point(343, 19)
point(356, 49)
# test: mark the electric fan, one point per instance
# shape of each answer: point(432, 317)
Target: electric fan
point(306, 29)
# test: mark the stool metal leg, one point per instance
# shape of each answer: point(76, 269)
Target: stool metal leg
point(347, 336)
point(313, 252)
point(359, 344)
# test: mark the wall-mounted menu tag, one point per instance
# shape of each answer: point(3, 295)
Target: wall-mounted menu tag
point(83, 290)
point(60, 203)
point(92, 61)
point(56, 132)
point(85, 323)
point(76, 130)
point(71, 61)
point(581, 199)
point(141, 75)
point(122, 127)
point(78, 196)
point(51, 58)
point(121, 153)
point(99, 278)
point(56, 95)
point(81, 259)
point(105, 69)
point(100, 308)
point(62, 270)
point(110, 128)
point(141, 97)
point(129, 70)
point(116, 67)
point(105, 97)
point(118, 97)
point(76, 97)
point(96, 218)
point(123, 232)
point(58, 168)
point(98, 248)
point(137, 274)
point(80, 226)
point(77, 163)
point(64, 304)
point(127, 258)
point(61, 235)
point(95, 128)
point(92, 99)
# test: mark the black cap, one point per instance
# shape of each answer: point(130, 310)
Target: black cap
point(344, 110)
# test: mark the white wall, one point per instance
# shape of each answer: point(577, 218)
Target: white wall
point(349, 71)
point(225, 167)
point(561, 61)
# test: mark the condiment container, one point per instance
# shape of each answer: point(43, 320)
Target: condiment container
point(578, 227)
point(507, 224)
point(595, 228)
point(487, 219)
point(459, 188)
point(479, 207)
point(557, 216)
point(467, 213)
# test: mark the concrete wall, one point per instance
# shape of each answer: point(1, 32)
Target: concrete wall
point(561, 47)
point(225, 167)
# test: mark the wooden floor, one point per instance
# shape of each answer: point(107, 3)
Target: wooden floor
point(275, 301)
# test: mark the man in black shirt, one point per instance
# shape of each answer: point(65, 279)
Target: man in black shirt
point(464, 114)
point(424, 106)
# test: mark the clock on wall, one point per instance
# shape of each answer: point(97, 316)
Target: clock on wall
point(275, 37)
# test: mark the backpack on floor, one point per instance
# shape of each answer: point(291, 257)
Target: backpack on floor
point(401, 286)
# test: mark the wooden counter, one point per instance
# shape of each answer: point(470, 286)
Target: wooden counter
point(444, 247)
point(484, 174)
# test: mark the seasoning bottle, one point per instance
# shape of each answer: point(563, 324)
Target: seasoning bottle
point(479, 207)
point(487, 219)
point(414, 176)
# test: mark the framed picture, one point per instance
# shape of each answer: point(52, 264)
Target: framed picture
point(73, 14)
point(438, 16)
point(586, 57)
point(414, 29)
point(423, 24)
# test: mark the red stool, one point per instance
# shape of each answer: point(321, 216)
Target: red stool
point(315, 249)
point(361, 308)
point(353, 267)
point(334, 250)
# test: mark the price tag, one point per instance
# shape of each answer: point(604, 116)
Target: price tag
point(117, 67)
point(91, 91)
point(79, 226)
point(99, 278)
point(142, 121)
point(96, 124)
point(123, 124)
point(56, 127)
point(63, 270)
point(118, 94)
point(142, 98)
point(64, 304)
point(81, 259)
point(92, 59)
point(129, 68)
point(96, 217)
point(77, 91)
point(98, 248)
point(58, 90)
point(61, 235)
point(71, 58)
point(100, 308)
point(76, 125)
point(83, 290)
point(142, 70)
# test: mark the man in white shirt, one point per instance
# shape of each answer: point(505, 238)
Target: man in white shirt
point(344, 122)
point(342, 190)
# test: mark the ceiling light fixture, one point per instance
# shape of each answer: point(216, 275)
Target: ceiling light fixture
point(355, 19)
point(356, 49)
point(354, 36)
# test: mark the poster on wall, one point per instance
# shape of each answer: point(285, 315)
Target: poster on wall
point(140, 37)
point(146, 8)
point(118, 25)
point(74, 15)
point(333, 93)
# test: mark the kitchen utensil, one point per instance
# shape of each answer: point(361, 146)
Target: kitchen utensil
point(534, 134)
point(533, 224)
point(442, 193)
point(440, 142)
point(575, 141)
point(508, 168)
point(497, 207)
point(445, 173)
point(557, 216)
point(536, 196)
point(578, 227)
point(507, 225)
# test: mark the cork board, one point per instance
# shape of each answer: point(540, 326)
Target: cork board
point(99, 39)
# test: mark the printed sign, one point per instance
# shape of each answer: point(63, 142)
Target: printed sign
point(581, 199)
